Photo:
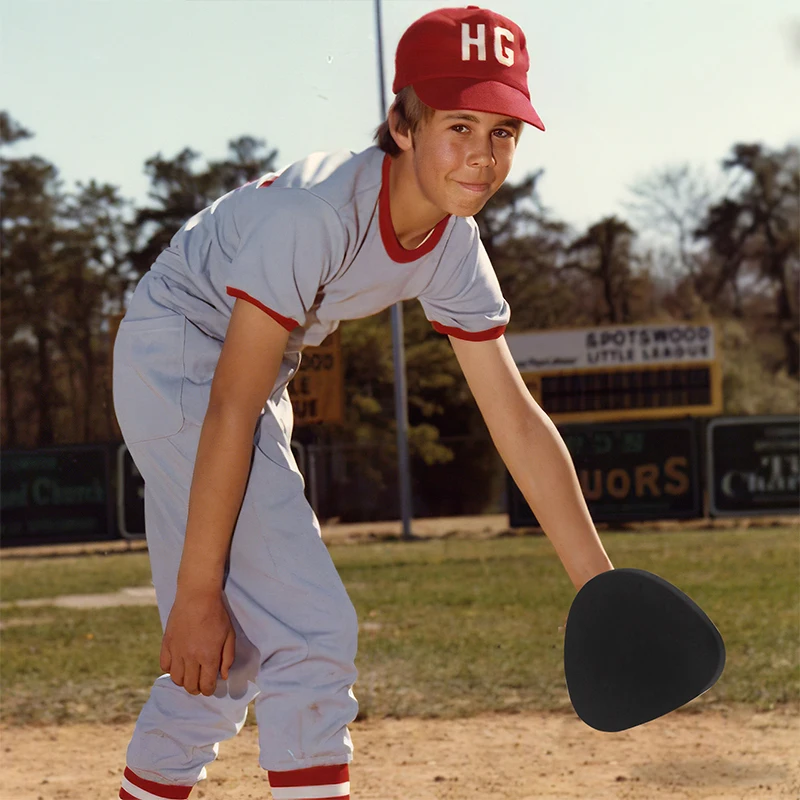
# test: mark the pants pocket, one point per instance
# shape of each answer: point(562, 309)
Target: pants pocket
point(148, 377)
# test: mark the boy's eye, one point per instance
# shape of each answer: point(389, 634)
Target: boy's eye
point(500, 133)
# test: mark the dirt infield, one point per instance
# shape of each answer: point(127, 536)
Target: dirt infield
point(724, 755)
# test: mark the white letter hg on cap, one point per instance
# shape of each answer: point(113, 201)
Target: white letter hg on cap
point(479, 41)
point(505, 55)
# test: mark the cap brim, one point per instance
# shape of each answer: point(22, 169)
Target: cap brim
point(492, 97)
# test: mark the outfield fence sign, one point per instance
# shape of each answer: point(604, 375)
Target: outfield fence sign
point(753, 466)
point(629, 472)
point(55, 495)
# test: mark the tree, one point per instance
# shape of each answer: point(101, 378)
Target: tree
point(12, 352)
point(668, 207)
point(29, 199)
point(93, 262)
point(603, 253)
point(754, 237)
point(62, 255)
point(180, 191)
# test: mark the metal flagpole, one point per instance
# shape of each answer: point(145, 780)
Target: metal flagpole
point(398, 349)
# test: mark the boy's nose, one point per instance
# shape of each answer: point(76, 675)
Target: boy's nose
point(481, 156)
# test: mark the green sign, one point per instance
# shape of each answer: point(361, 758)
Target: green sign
point(629, 471)
point(55, 495)
point(754, 466)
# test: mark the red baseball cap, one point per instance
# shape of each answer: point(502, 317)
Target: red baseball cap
point(468, 58)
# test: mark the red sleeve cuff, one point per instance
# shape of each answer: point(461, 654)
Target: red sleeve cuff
point(477, 336)
point(287, 322)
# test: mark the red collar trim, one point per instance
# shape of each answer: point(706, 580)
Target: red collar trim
point(393, 248)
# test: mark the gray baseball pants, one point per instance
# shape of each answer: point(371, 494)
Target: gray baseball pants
point(296, 629)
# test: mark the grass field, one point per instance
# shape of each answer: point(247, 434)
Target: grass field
point(450, 627)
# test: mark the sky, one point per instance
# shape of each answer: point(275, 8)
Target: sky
point(625, 88)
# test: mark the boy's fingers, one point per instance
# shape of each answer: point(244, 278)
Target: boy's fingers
point(165, 657)
point(208, 681)
point(228, 653)
point(191, 677)
point(176, 671)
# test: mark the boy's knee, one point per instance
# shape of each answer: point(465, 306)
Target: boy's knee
point(340, 634)
point(349, 628)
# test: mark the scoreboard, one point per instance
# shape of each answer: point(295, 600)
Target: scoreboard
point(624, 372)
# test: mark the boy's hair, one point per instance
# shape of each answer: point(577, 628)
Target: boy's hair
point(411, 113)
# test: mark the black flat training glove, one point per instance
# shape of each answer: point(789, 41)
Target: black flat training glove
point(635, 648)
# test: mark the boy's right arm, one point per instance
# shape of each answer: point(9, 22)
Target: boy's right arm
point(198, 642)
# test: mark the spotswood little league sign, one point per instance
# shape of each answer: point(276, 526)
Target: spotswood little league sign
point(628, 345)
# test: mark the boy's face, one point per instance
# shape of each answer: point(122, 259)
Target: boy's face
point(461, 158)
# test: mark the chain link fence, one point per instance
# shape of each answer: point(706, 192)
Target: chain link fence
point(358, 482)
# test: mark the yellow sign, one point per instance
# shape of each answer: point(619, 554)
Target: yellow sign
point(317, 391)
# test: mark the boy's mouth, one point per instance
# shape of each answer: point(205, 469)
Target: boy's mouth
point(477, 188)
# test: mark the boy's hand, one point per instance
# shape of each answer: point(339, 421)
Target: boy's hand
point(198, 643)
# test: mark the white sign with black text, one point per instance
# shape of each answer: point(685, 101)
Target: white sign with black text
point(623, 345)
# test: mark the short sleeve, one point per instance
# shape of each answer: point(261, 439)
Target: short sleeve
point(290, 239)
point(465, 301)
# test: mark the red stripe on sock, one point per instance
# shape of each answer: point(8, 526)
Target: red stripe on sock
point(340, 797)
point(312, 776)
point(126, 795)
point(165, 790)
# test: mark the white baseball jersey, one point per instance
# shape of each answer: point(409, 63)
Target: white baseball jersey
point(313, 244)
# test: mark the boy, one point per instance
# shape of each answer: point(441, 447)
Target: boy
point(250, 602)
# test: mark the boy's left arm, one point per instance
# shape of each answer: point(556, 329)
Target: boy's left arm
point(535, 455)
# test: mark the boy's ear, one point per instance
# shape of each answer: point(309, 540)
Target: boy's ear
point(401, 133)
